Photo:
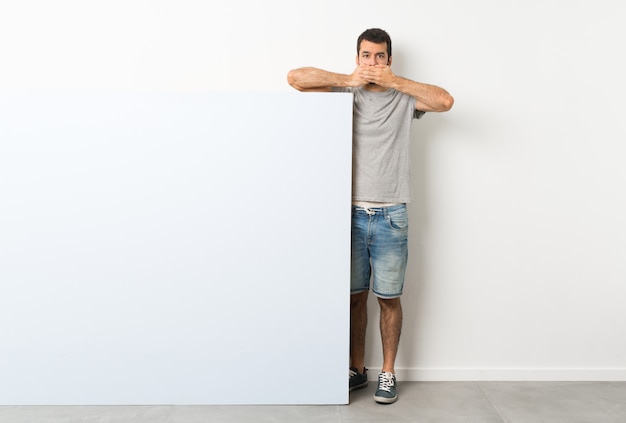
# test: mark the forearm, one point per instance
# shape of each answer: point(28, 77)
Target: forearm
point(314, 79)
point(431, 97)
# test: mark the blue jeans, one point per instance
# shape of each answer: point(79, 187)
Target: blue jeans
point(379, 250)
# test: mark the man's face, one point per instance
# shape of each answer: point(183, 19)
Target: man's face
point(372, 54)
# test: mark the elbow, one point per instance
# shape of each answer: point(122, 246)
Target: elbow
point(292, 79)
point(447, 103)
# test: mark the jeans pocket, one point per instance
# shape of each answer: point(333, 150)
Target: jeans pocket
point(398, 220)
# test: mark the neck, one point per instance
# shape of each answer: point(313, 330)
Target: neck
point(374, 87)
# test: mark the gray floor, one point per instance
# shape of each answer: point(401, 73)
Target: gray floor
point(449, 402)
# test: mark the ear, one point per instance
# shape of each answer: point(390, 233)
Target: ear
point(357, 60)
point(389, 61)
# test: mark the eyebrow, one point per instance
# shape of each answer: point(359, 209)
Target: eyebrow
point(369, 52)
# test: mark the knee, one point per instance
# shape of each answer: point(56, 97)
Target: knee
point(358, 299)
point(389, 303)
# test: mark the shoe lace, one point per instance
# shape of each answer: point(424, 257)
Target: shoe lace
point(385, 381)
point(354, 372)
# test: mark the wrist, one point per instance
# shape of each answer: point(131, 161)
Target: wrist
point(351, 81)
point(396, 83)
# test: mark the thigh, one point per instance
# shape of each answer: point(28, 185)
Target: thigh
point(360, 269)
point(389, 253)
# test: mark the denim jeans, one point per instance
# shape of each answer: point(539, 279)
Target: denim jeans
point(379, 250)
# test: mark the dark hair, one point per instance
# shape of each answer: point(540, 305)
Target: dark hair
point(374, 35)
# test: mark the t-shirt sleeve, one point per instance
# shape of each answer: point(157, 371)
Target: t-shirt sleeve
point(417, 114)
point(341, 89)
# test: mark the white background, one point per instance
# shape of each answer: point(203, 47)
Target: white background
point(518, 236)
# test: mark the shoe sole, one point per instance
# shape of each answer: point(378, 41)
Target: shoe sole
point(385, 400)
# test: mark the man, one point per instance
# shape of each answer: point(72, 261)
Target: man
point(384, 107)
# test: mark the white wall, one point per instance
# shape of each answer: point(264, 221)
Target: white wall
point(518, 235)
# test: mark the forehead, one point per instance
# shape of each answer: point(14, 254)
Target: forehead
point(372, 48)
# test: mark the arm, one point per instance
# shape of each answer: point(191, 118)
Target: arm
point(428, 98)
point(314, 79)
